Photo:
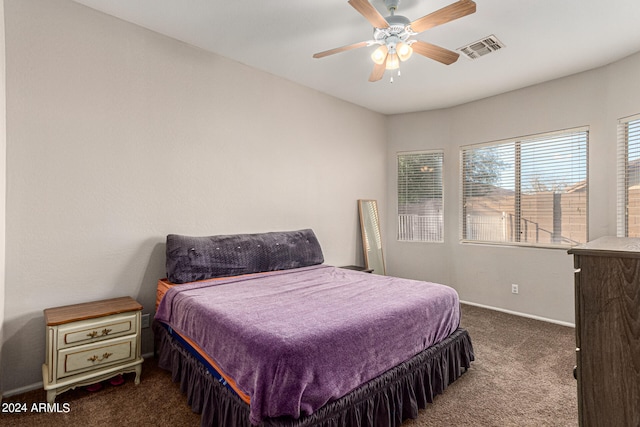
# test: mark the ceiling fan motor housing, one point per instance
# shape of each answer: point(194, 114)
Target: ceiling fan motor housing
point(398, 31)
point(398, 21)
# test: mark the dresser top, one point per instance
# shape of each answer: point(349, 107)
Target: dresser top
point(608, 246)
point(89, 310)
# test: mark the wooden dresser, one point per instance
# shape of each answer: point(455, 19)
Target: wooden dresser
point(607, 298)
point(91, 342)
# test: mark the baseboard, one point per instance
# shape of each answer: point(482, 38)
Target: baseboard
point(517, 313)
point(21, 390)
point(39, 385)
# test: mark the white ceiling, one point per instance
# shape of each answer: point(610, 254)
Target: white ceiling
point(545, 39)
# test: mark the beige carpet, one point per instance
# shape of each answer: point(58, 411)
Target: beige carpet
point(522, 376)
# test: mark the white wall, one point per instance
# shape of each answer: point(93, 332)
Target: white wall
point(483, 274)
point(118, 136)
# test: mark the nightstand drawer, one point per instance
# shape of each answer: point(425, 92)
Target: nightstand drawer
point(84, 358)
point(93, 330)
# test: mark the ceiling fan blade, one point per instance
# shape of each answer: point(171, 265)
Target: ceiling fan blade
point(370, 13)
point(340, 49)
point(442, 16)
point(378, 71)
point(434, 52)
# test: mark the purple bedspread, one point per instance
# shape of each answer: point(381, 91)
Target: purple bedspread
point(294, 340)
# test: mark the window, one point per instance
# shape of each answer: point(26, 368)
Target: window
point(526, 191)
point(629, 177)
point(420, 216)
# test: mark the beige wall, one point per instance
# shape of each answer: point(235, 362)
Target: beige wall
point(118, 136)
point(3, 176)
point(483, 274)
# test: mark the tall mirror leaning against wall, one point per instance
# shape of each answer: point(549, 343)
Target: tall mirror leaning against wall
point(371, 236)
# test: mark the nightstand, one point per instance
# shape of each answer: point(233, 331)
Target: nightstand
point(91, 342)
point(357, 268)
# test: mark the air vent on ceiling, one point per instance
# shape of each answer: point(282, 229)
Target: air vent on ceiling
point(481, 47)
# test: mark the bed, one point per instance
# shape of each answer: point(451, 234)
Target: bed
point(259, 331)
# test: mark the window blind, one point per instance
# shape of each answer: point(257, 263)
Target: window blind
point(628, 204)
point(526, 191)
point(420, 196)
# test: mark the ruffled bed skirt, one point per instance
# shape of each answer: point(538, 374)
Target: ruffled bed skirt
point(385, 401)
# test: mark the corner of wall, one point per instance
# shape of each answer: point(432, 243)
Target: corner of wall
point(3, 177)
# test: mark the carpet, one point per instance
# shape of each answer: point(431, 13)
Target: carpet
point(522, 376)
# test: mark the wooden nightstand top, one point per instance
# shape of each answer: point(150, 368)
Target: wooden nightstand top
point(89, 310)
point(357, 268)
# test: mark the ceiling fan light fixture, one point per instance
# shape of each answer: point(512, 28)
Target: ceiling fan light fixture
point(404, 51)
point(392, 62)
point(378, 56)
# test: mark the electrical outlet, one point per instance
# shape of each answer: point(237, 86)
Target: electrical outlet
point(145, 320)
point(514, 289)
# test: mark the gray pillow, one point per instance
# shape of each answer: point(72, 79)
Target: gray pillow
point(198, 258)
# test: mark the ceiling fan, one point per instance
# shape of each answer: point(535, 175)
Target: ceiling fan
point(393, 35)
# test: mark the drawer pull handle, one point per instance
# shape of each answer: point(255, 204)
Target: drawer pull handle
point(94, 334)
point(95, 358)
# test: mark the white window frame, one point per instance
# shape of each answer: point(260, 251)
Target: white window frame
point(425, 227)
point(516, 234)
